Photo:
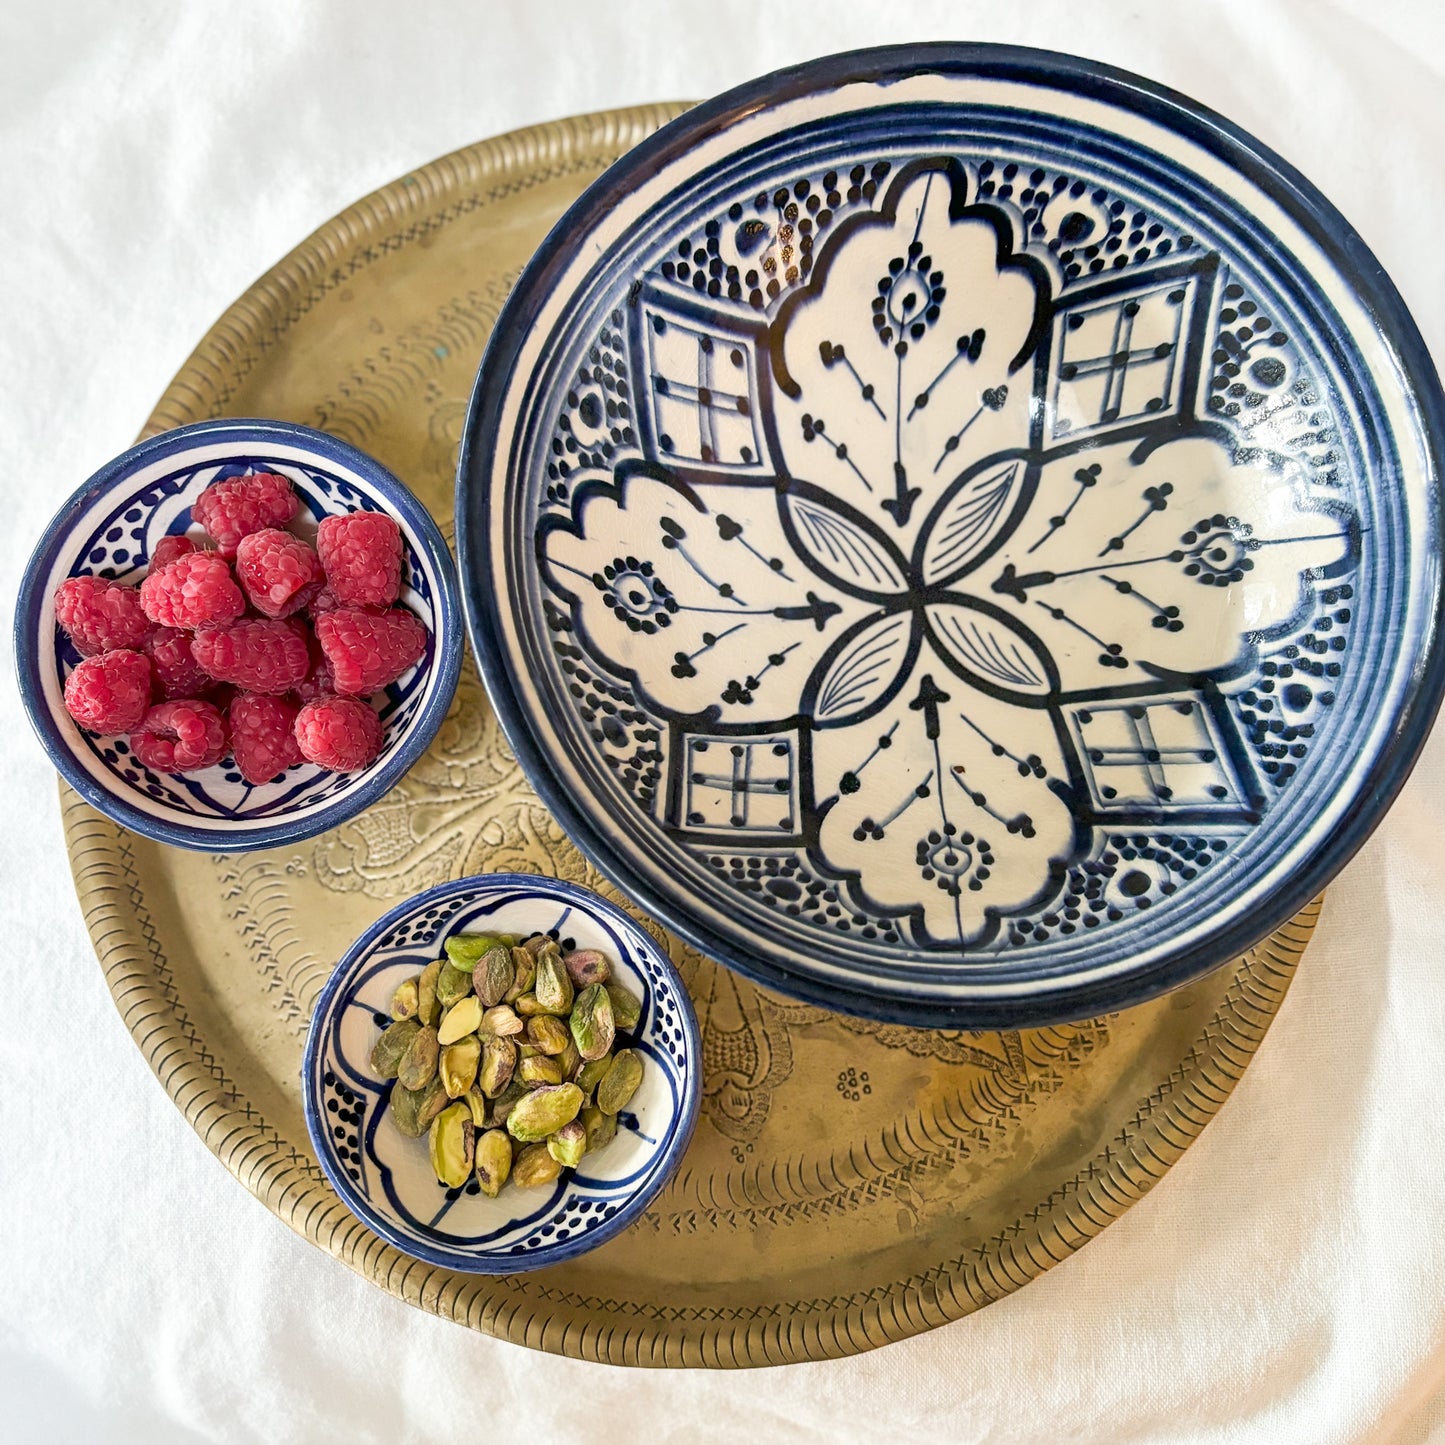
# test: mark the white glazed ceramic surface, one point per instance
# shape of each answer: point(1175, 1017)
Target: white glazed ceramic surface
point(967, 534)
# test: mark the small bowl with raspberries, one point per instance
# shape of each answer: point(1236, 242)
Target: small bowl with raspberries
point(238, 634)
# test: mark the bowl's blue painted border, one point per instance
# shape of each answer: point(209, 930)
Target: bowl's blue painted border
point(246, 434)
point(1305, 204)
point(479, 885)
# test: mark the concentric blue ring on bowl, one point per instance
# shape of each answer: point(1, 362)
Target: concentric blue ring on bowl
point(386, 1178)
point(108, 529)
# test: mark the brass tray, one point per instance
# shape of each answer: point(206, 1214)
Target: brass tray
point(850, 1183)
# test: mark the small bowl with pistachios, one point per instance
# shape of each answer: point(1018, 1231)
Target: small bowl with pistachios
point(501, 1073)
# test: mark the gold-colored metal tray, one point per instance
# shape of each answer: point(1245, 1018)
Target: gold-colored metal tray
point(849, 1183)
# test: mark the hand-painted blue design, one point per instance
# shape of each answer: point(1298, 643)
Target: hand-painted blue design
point(1090, 463)
point(745, 784)
point(220, 793)
point(387, 1180)
point(1065, 508)
point(109, 529)
point(1123, 350)
point(1171, 754)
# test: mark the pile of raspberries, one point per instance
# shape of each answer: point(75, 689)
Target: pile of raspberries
point(264, 647)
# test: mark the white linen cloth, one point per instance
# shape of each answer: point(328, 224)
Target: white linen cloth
point(1286, 1281)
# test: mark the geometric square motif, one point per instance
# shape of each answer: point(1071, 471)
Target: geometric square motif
point(700, 386)
point(1117, 358)
point(1164, 756)
point(740, 785)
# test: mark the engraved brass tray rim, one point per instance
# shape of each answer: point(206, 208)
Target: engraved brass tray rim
point(286, 1179)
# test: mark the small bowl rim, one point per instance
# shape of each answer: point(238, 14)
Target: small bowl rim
point(586, 900)
point(372, 786)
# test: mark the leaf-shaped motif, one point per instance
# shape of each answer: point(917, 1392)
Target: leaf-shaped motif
point(969, 519)
point(1168, 560)
point(899, 360)
point(992, 652)
point(861, 668)
point(844, 548)
point(944, 801)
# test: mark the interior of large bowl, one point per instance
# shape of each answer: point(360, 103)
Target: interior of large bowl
point(954, 533)
point(110, 530)
point(387, 1178)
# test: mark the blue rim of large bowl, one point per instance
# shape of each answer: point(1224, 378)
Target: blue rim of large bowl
point(244, 431)
point(1051, 70)
point(585, 901)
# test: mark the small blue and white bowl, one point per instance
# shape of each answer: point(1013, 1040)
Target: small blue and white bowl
point(386, 1179)
point(109, 528)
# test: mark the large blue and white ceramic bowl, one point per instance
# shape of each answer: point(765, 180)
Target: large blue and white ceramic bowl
point(108, 528)
point(386, 1178)
point(955, 532)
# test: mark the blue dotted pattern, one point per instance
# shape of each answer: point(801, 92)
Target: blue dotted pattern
point(424, 927)
point(345, 1118)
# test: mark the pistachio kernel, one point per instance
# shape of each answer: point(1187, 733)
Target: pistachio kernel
point(548, 1035)
point(544, 1111)
point(405, 1000)
point(499, 1061)
point(568, 1144)
point(493, 975)
point(592, 1073)
point(601, 1128)
point(458, 1064)
point(387, 1051)
point(428, 1010)
point(418, 1064)
point(552, 987)
point(452, 1143)
point(620, 1082)
point(465, 949)
point(534, 1166)
point(524, 970)
point(586, 966)
point(539, 1069)
point(569, 1060)
point(626, 1007)
point(493, 1161)
point(462, 1018)
point(501, 1021)
point(592, 1027)
point(452, 984)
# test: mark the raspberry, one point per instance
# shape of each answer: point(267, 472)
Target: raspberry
point(367, 652)
point(176, 669)
point(180, 737)
point(110, 693)
point(341, 733)
point(171, 546)
point(279, 572)
point(238, 506)
point(319, 682)
point(100, 616)
point(324, 601)
point(195, 590)
point(361, 552)
point(263, 736)
point(258, 654)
